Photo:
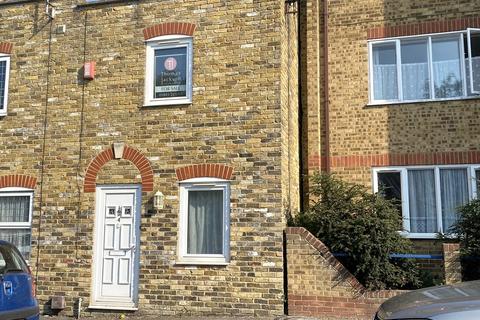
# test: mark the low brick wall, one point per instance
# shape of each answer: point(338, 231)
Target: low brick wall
point(320, 286)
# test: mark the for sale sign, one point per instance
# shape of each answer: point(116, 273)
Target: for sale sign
point(170, 73)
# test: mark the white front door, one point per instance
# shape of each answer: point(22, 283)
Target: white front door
point(115, 269)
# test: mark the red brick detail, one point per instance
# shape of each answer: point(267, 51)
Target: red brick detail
point(169, 28)
point(423, 28)
point(384, 160)
point(134, 156)
point(209, 170)
point(18, 180)
point(6, 47)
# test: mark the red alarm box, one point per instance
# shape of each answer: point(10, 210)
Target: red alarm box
point(89, 70)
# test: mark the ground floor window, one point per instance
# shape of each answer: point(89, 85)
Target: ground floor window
point(16, 219)
point(428, 196)
point(204, 221)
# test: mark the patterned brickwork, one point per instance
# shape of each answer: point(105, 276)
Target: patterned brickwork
point(17, 180)
point(134, 156)
point(169, 28)
point(424, 28)
point(219, 171)
point(6, 47)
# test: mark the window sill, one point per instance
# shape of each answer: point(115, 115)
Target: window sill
point(421, 236)
point(92, 3)
point(202, 262)
point(167, 103)
point(387, 103)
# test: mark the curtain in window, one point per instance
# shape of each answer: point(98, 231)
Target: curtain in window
point(14, 209)
point(21, 238)
point(385, 72)
point(446, 68)
point(476, 74)
point(421, 193)
point(454, 193)
point(415, 81)
point(205, 222)
point(3, 71)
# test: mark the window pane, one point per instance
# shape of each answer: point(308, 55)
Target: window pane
point(415, 73)
point(15, 209)
point(385, 85)
point(475, 47)
point(423, 208)
point(446, 68)
point(477, 178)
point(21, 238)
point(390, 187)
point(454, 193)
point(205, 222)
point(170, 73)
point(3, 70)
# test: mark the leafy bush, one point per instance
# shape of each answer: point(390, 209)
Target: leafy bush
point(467, 231)
point(351, 220)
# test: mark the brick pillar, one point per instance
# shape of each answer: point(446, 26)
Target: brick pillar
point(453, 268)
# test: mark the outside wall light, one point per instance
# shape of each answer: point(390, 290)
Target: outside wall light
point(158, 200)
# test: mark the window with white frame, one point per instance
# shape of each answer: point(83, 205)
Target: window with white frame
point(204, 221)
point(428, 196)
point(168, 73)
point(4, 76)
point(421, 68)
point(16, 219)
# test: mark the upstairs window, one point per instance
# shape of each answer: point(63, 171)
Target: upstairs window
point(4, 75)
point(422, 68)
point(168, 74)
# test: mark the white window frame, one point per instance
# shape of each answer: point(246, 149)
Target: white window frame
point(203, 184)
point(397, 40)
point(4, 57)
point(167, 42)
point(472, 192)
point(12, 192)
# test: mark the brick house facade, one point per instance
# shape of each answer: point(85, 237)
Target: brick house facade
point(126, 119)
point(122, 120)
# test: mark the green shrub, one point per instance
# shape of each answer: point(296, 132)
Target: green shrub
point(467, 231)
point(351, 220)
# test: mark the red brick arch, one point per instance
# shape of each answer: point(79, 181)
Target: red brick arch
point(130, 154)
point(18, 180)
point(169, 28)
point(220, 171)
point(6, 47)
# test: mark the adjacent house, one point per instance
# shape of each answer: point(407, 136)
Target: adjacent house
point(391, 101)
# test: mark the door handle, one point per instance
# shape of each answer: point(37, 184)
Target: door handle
point(8, 287)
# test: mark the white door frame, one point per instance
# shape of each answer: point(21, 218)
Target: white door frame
point(98, 251)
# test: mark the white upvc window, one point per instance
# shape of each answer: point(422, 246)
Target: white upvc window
point(168, 71)
point(4, 78)
point(428, 196)
point(16, 218)
point(442, 66)
point(204, 222)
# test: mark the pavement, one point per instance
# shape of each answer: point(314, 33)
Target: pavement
point(155, 317)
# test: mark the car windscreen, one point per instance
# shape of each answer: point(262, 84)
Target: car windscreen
point(11, 261)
